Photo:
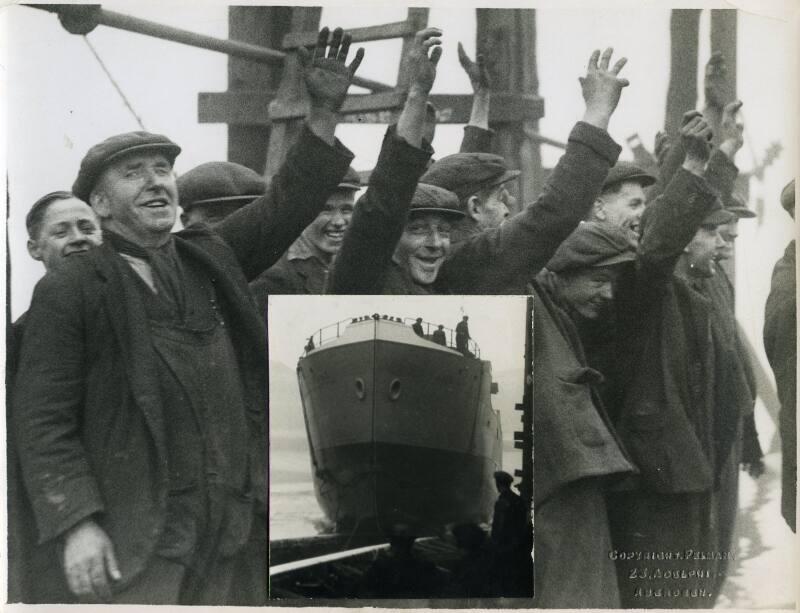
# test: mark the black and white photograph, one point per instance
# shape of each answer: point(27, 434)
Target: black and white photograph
point(400, 448)
point(174, 170)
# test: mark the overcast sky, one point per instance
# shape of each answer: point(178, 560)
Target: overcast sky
point(496, 323)
point(59, 102)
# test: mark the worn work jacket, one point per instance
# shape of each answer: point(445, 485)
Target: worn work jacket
point(496, 261)
point(666, 418)
point(299, 271)
point(88, 413)
point(573, 436)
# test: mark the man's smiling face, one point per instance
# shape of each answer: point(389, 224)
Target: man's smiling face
point(137, 197)
point(423, 246)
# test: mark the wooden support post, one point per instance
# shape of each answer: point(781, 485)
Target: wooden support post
point(265, 26)
point(291, 92)
point(682, 93)
point(507, 38)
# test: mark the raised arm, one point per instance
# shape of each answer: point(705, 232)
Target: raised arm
point(496, 260)
point(721, 171)
point(380, 215)
point(672, 220)
point(262, 231)
point(477, 135)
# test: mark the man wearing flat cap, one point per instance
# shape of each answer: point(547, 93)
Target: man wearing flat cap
point(577, 452)
point(140, 401)
point(304, 268)
point(682, 394)
point(780, 342)
point(497, 260)
point(622, 198)
point(480, 182)
point(208, 193)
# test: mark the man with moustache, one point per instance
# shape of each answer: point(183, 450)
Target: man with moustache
point(389, 251)
point(59, 227)
point(140, 403)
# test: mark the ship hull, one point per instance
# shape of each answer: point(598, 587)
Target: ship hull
point(400, 431)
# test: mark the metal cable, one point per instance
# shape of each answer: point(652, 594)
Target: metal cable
point(114, 83)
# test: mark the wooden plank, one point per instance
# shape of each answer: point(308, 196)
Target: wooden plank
point(254, 108)
point(236, 108)
point(257, 25)
point(383, 31)
point(291, 91)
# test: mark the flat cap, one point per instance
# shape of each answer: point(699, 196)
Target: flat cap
point(739, 208)
point(502, 476)
point(351, 180)
point(787, 196)
point(219, 182)
point(718, 215)
point(593, 244)
point(464, 174)
point(433, 199)
point(98, 158)
point(626, 171)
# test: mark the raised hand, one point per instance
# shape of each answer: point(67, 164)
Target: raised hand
point(421, 66)
point(89, 561)
point(602, 88)
point(696, 140)
point(662, 147)
point(326, 75)
point(476, 71)
point(717, 87)
point(731, 131)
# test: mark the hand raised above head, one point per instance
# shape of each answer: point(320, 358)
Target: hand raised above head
point(731, 130)
point(696, 137)
point(476, 71)
point(327, 76)
point(602, 87)
point(420, 65)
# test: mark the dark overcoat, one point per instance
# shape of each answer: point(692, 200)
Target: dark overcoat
point(87, 409)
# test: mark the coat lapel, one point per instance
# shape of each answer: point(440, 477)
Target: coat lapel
point(129, 322)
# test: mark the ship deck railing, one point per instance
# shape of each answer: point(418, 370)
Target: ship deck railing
point(333, 331)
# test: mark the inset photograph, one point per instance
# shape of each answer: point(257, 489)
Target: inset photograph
point(400, 447)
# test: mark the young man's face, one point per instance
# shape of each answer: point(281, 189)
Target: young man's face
point(704, 248)
point(69, 227)
point(326, 232)
point(137, 197)
point(589, 291)
point(624, 208)
point(493, 209)
point(423, 246)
